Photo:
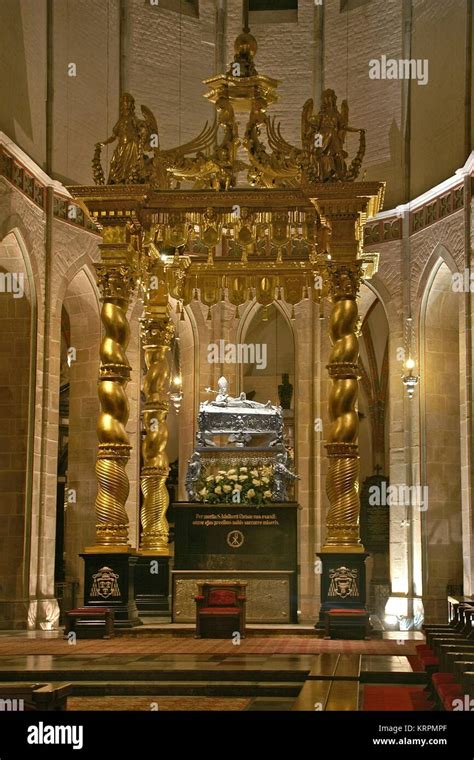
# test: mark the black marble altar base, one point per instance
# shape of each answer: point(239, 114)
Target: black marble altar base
point(152, 585)
point(109, 582)
point(230, 541)
point(235, 536)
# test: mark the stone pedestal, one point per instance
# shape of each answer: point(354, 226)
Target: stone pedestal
point(152, 585)
point(343, 585)
point(109, 582)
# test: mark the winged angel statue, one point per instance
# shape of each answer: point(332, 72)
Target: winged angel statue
point(137, 156)
point(134, 142)
point(321, 158)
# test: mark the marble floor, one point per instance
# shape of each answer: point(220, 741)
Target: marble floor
point(183, 673)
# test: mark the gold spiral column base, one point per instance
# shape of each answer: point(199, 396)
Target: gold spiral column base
point(112, 530)
point(342, 486)
point(156, 534)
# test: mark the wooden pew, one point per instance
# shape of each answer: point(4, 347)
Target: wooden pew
point(19, 697)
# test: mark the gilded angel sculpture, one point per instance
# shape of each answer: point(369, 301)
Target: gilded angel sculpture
point(321, 158)
point(323, 136)
point(130, 159)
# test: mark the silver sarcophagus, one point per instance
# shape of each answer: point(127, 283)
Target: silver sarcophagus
point(240, 453)
point(244, 422)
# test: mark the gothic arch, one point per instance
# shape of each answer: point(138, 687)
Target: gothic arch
point(18, 377)
point(245, 323)
point(439, 255)
point(439, 323)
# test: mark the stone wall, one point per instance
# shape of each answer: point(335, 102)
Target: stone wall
point(416, 134)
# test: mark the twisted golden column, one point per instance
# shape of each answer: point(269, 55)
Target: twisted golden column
point(157, 333)
point(116, 281)
point(342, 482)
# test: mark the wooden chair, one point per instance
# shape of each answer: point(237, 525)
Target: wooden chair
point(220, 610)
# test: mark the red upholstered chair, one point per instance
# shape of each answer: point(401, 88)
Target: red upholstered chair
point(220, 610)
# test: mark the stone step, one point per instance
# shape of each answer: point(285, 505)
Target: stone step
point(185, 688)
point(189, 630)
point(157, 675)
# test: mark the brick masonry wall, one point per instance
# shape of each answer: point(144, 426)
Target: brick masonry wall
point(166, 55)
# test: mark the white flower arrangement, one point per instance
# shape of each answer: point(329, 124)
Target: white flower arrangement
point(253, 486)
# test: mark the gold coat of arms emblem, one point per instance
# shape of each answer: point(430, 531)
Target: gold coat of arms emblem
point(343, 582)
point(105, 583)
